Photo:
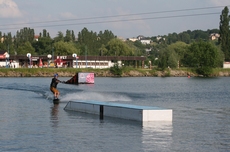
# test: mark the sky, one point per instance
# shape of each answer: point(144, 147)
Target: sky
point(125, 18)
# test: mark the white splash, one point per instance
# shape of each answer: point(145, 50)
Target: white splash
point(94, 96)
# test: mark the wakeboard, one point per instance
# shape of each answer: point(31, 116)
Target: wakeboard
point(56, 101)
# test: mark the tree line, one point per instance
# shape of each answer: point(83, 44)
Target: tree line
point(193, 49)
point(186, 49)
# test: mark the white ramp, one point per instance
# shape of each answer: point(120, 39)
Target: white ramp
point(124, 111)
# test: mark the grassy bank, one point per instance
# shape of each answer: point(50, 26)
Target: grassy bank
point(126, 72)
point(42, 72)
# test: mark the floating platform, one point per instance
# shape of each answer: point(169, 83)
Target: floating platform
point(123, 111)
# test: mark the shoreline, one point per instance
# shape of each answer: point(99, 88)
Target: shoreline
point(103, 73)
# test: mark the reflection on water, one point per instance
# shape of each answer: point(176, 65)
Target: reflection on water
point(150, 136)
point(54, 115)
point(156, 135)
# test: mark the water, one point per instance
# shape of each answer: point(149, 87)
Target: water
point(201, 115)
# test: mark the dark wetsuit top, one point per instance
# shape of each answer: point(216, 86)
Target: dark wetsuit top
point(54, 82)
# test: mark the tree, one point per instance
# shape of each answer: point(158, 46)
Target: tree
point(6, 43)
point(59, 37)
point(224, 39)
point(162, 60)
point(172, 38)
point(106, 36)
point(172, 59)
point(184, 37)
point(94, 41)
point(204, 57)
point(65, 48)
point(167, 58)
point(68, 36)
point(43, 46)
point(45, 33)
point(24, 35)
point(73, 36)
point(117, 47)
point(179, 48)
point(140, 48)
point(26, 48)
point(103, 50)
point(89, 39)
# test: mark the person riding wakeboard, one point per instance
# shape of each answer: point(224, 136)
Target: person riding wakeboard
point(53, 86)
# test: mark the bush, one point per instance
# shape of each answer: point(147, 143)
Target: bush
point(116, 70)
point(205, 71)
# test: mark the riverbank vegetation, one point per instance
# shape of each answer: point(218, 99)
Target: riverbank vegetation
point(117, 72)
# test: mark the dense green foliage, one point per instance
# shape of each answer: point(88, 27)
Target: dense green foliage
point(225, 33)
point(204, 57)
point(116, 70)
point(186, 36)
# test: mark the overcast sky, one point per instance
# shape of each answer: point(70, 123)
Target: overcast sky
point(125, 18)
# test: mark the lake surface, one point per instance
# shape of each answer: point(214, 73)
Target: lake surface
point(201, 115)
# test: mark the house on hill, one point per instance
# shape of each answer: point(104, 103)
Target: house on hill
point(36, 37)
point(139, 37)
point(143, 39)
point(214, 36)
point(132, 39)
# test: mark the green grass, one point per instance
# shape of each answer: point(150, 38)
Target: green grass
point(28, 72)
point(72, 71)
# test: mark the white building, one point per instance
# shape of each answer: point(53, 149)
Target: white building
point(94, 64)
point(132, 39)
point(145, 41)
point(226, 65)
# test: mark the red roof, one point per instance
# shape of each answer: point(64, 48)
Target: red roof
point(36, 36)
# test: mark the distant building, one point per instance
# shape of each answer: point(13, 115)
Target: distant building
point(214, 36)
point(2, 39)
point(226, 65)
point(140, 37)
point(4, 61)
point(2, 54)
point(36, 37)
point(160, 38)
point(132, 39)
point(43, 61)
point(145, 41)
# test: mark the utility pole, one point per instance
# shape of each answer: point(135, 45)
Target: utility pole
point(86, 56)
